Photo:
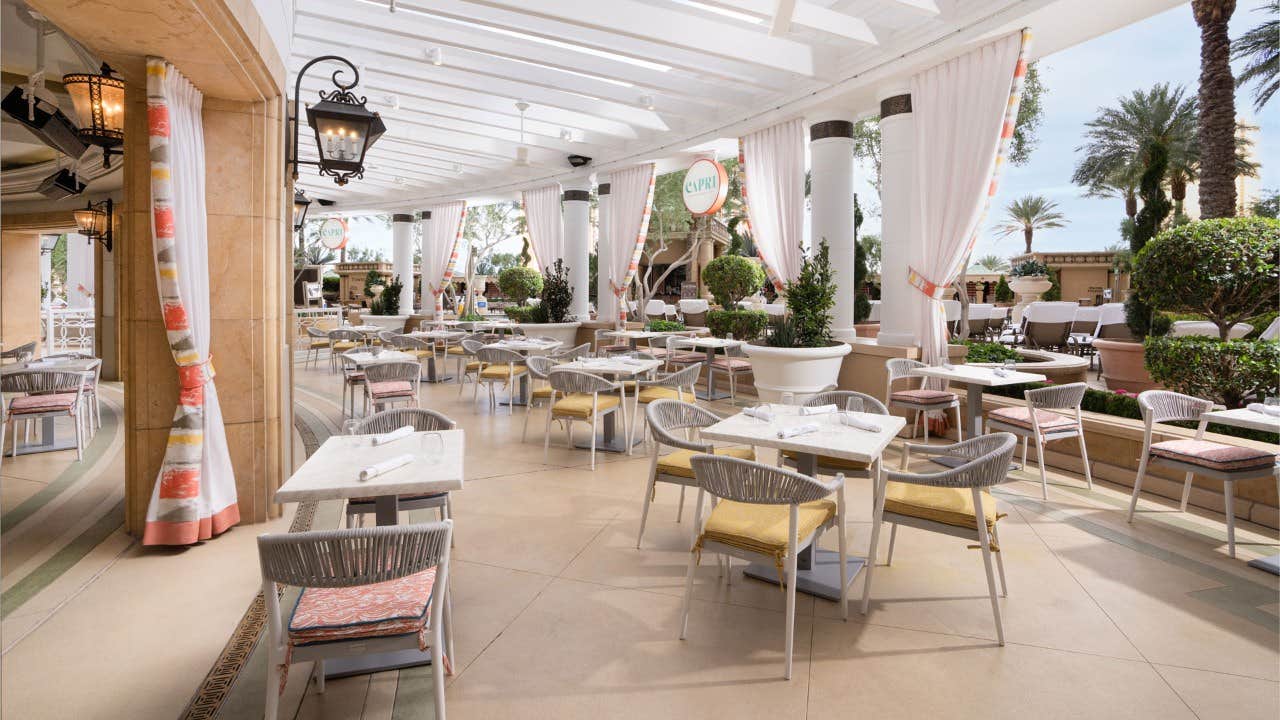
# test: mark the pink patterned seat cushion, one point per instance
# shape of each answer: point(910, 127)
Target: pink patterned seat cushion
point(687, 357)
point(43, 403)
point(394, 607)
point(1214, 456)
point(619, 348)
point(731, 363)
point(1021, 417)
point(923, 397)
point(390, 388)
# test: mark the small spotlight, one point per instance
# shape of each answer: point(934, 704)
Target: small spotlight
point(392, 100)
point(457, 169)
point(566, 135)
point(436, 56)
point(646, 101)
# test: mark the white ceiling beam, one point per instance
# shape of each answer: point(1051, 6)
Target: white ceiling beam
point(673, 27)
point(925, 6)
point(807, 14)
point(782, 10)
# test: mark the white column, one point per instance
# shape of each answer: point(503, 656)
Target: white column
point(901, 246)
point(402, 258)
point(577, 243)
point(606, 301)
point(424, 291)
point(831, 211)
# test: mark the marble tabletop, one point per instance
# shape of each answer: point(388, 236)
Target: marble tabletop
point(833, 438)
point(333, 471)
point(612, 366)
point(363, 358)
point(1245, 418)
point(977, 375)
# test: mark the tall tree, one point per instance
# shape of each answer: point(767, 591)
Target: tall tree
point(1217, 127)
point(994, 263)
point(1028, 214)
point(1260, 48)
point(484, 228)
point(1155, 208)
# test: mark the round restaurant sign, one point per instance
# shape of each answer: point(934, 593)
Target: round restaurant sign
point(706, 185)
point(333, 233)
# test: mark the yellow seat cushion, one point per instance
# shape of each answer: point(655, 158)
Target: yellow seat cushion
point(949, 506)
point(678, 463)
point(579, 404)
point(541, 393)
point(474, 366)
point(456, 350)
point(316, 344)
point(831, 462)
point(345, 344)
point(502, 371)
point(657, 392)
point(763, 528)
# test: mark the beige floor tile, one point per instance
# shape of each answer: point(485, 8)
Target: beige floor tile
point(1217, 696)
point(15, 490)
point(343, 699)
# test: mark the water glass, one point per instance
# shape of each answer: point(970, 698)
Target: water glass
point(728, 336)
point(350, 426)
point(853, 404)
point(432, 446)
point(1273, 401)
point(1008, 365)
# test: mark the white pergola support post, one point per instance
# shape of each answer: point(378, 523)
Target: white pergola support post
point(831, 211)
point(46, 305)
point(606, 305)
point(424, 290)
point(402, 258)
point(577, 243)
point(901, 246)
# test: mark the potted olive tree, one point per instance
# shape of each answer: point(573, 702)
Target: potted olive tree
point(800, 358)
point(384, 308)
point(1030, 279)
point(550, 318)
point(730, 278)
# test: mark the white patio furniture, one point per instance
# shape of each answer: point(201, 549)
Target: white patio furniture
point(845, 401)
point(578, 396)
point(655, 310)
point(45, 395)
point(920, 400)
point(317, 340)
point(694, 311)
point(421, 420)
point(678, 385)
point(1083, 327)
point(340, 341)
point(952, 310)
point(875, 312)
point(976, 378)
point(1038, 421)
point(1272, 332)
point(1191, 328)
point(1047, 325)
point(979, 319)
point(501, 365)
point(389, 383)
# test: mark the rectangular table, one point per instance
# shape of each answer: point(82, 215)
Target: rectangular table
point(433, 335)
point(710, 345)
point(610, 439)
point(333, 473)
point(366, 358)
point(48, 425)
point(817, 571)
point(975, 378)
point(633, 336)
point(526, 347)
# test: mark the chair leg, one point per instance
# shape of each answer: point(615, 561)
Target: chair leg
point(688, 595)
point(1186, 492)
point(528, 410)
point(546, 437)
point(876, 519)
point(1024, 451)
point(593, 443)
point(437, 672)
point(644, 511)
point(985, 542)
point(893, 539)
point(1084, 457)
point(844, 571)
point(79, 435)
point(318, 670)
point(1044, 479)
point(1229, 499)
point(1137, 486)
point(273, 687)
point(680, 507)
point(791, 607)
point(1004, 586)
point(926, 427)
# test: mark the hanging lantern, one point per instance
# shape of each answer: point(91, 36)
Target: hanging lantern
point(94, 222)
point(300, 205)
point(344, 128)
point(99, 104)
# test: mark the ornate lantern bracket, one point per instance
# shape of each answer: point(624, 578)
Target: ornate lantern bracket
point(344, 128)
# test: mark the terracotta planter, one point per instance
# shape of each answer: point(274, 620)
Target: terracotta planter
point(867, 330)
point(1123, 366)
point(796, 373)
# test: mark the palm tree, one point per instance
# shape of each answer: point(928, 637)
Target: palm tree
point(994, 263)
point(1028, 214)
point(1261, 47)
point(1217, 131)
point(1122, 184)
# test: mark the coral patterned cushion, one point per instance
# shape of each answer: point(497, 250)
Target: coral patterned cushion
point(1214, 456)
point(731, 363)
point(923, 397)
point(394, 607)
point(687, 357)
point(43, 403)
point(1021, 417)
point(390, 388)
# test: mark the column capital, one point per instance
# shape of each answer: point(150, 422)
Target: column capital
point(831, 129)
point(424, 214)
point(603, 189)
point(894, 100)
point(577, 195)
point(402, 218)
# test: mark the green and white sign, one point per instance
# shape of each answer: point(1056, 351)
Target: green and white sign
point(706, 185)
point(333, 233)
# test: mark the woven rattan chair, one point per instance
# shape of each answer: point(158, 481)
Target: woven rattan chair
point(387, 337)
point(387, 383)
point(317, 340)
point(396, 578)
point(500, 365)
point(606, 345)
point(918, 399)
point(420, 420)
point(20, 354)
point(754, 502)
point(46, 394)
point(678, 385)
point(578, 396)
point(1228, 463)
point(953, 502)
point(844, 400)
point(681, 352)
point(1038, 421)
point(340, 341)
point(576, 352)
point(733, 363)
point(468, 365)
point(540, 389)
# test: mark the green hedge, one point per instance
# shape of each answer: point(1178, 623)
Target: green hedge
point(731, 278)
point(989, 352)
point(1228, 371)
point(666, 326)
point(744, 324)
point(520, 283)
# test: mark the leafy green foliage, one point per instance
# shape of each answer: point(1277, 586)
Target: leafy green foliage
point(1258, 47)
point(471, 317)
point(1228, 371)
point(810, 298)
point(388, 303)
point(744, 324)
point(1029, 268)
point(665, 326)
point(1268, 205)
point(1030, 213)
point(557, 293)
point(1030, 114)
point(1054, 293)
point(861, 303)
point(731, 278)
point(1004, 293)
point(495, 263)
point(1226, 269)
point(521, 313)
point(330, 283)
point(520, 283)
point(372, 278)
point(989, 352)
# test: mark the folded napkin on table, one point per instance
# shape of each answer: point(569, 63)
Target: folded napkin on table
point(859, 422)
point(791, 432)
point(1272, 410)
point(1000, 372)
point(762, 413)
point(385, 467)
point(394, 435)
point(818, 410)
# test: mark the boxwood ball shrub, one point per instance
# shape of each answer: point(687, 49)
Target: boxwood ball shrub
point(520, 283)
point(744, 324)
point(1226, 269)
point(1225, 371)
point(731, 278)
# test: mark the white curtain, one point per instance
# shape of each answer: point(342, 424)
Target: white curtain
point(964, 112)
point(773, 160)
point(546, 227)
point(79, 271)
point(440, 234)
point(631, 193)
point(195, 493)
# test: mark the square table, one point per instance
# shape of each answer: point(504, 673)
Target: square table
point(48, 425)
point(365, 358)
point(632, 336)
point(975, 378)
point(433, 336)
point(710, 345)
point(1246, 418)
point(524, 346)
point(333, 473)
point(817, 570)
point(610, 440)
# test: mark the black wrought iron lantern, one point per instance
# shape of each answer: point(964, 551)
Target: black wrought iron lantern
point(94, 222)
point(300, 204)
point(99, 103)
point(344, 128)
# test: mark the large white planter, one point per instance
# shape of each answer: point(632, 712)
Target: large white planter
point(797, 372)
point(1029, 289)
point(394, 323)
point(565, 332)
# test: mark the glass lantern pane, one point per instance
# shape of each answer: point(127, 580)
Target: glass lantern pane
point(85, 221)
point(339, 139)
point(79, 92)
point(113, 105)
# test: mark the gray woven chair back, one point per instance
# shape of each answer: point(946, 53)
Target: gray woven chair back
point(517, 330)
point(1166, 406)
point(679, 343)
point(471, 345)
point(747, 481)
point(1047, 334)
point(42, 381)
point(22, 353)
point(387, 336)
point(848, 400)
point(316, 332)
point(387, 371)
point(573, 353)
point(577, 381)
point(667, 416)
point(499, 356)
point(540, 365)
point(678, 379)
point(899, 368)
point(422, 420)
point(347, 558)
point(339, 335)
point(488, 337)
point(1057, 396)
point(988, 464)
point(404, 342)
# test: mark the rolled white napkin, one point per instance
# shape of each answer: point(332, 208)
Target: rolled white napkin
point(1001, 372)
point(859, 422)
point(791, 432)
point(384, 467)
point(1272, 410)
point(397, 434)
point(818, 410)
point(759, 413)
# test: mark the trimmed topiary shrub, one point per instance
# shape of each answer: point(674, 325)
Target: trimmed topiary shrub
point(666, 326)
point(861, 303)
point(744, 324)
point(810, 298)
point(520, 283)
point(1054, 293)
point(557, 294)
point(1228, 372)
point(1226, 269)
point(989, 352)
point(731, 278)
point(1004, 293)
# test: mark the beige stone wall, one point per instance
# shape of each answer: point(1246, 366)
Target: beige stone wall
point(19, 287)
point(1082, 282)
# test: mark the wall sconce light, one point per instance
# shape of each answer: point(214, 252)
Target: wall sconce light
point(99, 103)
point(344, 128)
point(94, 222)
point(300, 204)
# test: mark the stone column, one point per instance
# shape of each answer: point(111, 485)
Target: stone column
point(831, 211)
point(606, 301)
point(402, 258)
point(577, 243)
point(706, 253)
point(901, 305)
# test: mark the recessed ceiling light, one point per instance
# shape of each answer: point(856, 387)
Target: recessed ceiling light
point(566, 134)
point(436, 56)
point(646, 101)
